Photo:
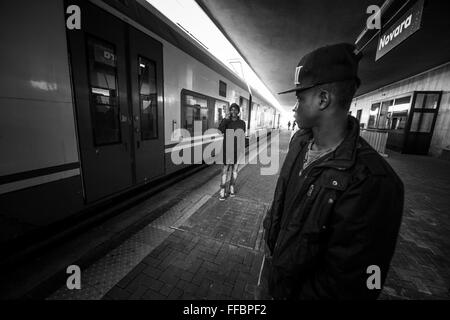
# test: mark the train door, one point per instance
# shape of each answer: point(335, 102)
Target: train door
point(146, 71)
point(99, 73)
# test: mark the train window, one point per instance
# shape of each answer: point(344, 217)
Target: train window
point(220, 112)
point(104, 101)
point(222, 89)
point(244, 108)
point(148, 99)
point(261, 120)
point(254, 115)
point(195, 109)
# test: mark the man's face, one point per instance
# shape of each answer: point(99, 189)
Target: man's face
point(307, 108)
point(234, 112)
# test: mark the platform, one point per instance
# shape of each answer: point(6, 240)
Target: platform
point(196, 247)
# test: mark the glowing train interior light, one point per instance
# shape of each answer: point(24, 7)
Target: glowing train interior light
point(190, 18)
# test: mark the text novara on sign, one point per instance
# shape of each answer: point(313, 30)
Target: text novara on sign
point(395, 33)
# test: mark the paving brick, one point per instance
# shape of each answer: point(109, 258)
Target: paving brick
point(155, 285)
point(231, 276)
point(203, 289)
point(153, 272)
point(138, 293)
point(169, 278)
point(152, 295)
point(250, 288)
point(131, 276)
point(199, 276)
point(206, 256)
point(117, 293)
point(168, 259)
point(187, 276)
point(141, 280)
point(210, 265)
point(226, 289)
point(175, 294)
point(248, 259)
point(166, 289)
point(238, 290)
point(152, 261)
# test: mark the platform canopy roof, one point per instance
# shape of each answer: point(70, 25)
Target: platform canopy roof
point(273, 35)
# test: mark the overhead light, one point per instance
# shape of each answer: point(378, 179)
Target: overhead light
point(191, 18)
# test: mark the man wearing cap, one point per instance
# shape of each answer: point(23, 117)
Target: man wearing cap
point(338, 204)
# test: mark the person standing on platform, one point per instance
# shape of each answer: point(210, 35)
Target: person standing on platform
point(294, 125)
point(333, 224)
point(231, 157)
point(289, 125)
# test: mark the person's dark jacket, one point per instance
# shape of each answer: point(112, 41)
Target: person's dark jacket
point(228, 124)
point(349, 220)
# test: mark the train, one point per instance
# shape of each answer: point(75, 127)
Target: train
point(88, 113)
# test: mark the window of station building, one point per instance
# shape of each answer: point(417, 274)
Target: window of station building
point(374, 110)
point(422, 122)
point(220, 112)
point(426, 101)
point(384, 117)
point(222, 89)
point(195, 108)
point(399, 113)
point(104, 100)
point(358, 114)
point(148, 99)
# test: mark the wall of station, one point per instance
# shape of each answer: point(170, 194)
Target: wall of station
point(437, 79)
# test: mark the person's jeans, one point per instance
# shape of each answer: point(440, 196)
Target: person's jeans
point(234, 175)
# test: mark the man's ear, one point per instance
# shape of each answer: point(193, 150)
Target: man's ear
point(325, 99)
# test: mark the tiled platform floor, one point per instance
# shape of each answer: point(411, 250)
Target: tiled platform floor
point(215, 253)
point(420, 268)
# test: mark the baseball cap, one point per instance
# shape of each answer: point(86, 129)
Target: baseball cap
point(328, 64)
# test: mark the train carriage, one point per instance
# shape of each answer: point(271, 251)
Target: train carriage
point(89, 114)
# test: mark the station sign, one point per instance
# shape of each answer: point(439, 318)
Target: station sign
point(401, 30)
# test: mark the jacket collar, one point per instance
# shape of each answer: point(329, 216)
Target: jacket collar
point(345, 155)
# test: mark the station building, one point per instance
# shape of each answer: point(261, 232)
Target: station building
point(405, 96)
point(415, 112)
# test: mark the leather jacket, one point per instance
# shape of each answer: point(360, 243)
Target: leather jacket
point(347, 220)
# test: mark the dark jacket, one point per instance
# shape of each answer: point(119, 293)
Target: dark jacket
point(236, 153)
point(347, 220)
